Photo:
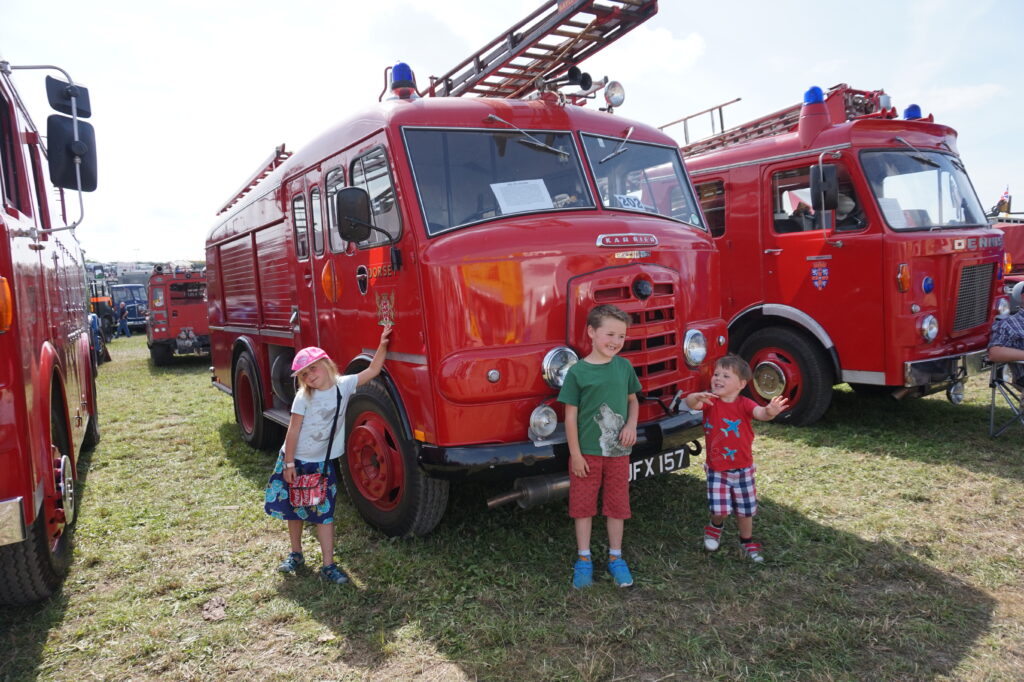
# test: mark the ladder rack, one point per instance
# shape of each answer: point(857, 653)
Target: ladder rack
point(559, 35)
point(266, 168)
point(843, 102)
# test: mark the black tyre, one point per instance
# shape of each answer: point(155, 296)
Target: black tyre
point(107, 325)
point(34, 569)
point(787, 363)
point(92, 431)
point(258, 431)
point(381, 474)
point(160, 354)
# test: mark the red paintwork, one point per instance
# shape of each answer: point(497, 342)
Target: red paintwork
point(1013, 242)
point(175, 315)
point(45, 354)
point(867, 319)
point(496, 295)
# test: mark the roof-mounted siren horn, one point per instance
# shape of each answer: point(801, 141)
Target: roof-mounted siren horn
point(71, 142)
point(813, 116)
point(402, 82)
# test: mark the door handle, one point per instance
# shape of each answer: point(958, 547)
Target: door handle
point(772, 252)
point(309, 278)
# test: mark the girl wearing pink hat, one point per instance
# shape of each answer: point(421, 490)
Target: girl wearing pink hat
point(316, 433)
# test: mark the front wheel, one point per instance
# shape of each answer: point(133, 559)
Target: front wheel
point(784, 362)
point(382, 477)
point(161, 354)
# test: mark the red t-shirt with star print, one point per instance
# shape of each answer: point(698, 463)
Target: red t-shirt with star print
point(728, 435)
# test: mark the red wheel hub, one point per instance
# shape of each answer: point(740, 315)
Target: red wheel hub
point(375, 461)
point(776, 372)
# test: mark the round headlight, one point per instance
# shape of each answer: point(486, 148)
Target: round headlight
point(543, 421)
point(929, 328)
point(1003, 306)
point(695, 347)
point(556, 363)
point(614, 94)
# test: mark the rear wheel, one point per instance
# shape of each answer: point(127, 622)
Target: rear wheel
point(784, 362)
point(382, 476)
point(92, 431)
point(34, 569)
point(160, 354)
point(257, 430)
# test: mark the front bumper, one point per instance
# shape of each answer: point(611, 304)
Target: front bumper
point(500, 462)
point(12, 521)
point(943, 370)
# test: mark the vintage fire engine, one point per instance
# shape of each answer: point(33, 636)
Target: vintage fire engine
point(887, 278)
point(484, 228)
point(48, 413)
point(176, 323)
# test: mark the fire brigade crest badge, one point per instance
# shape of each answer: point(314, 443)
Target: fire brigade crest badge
point(819, 276)
point(385, 308)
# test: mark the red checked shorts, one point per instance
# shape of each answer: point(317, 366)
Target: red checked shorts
point(608, 473)
point(732, 491)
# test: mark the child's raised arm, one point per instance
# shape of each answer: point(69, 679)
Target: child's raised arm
point(700, 399)
point(772, 410)
point(377, 363)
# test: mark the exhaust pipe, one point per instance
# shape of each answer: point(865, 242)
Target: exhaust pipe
point(533, 491)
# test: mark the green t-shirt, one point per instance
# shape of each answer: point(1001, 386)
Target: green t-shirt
point(601, 392)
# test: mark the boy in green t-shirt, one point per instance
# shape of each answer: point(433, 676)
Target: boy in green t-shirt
point(601, 410)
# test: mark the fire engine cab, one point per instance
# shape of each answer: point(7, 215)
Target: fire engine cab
point(48, 413)
point(854, 249)
point(176, 323)
point(484, 228)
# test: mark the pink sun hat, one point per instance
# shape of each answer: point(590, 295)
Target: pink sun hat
point(306, 357)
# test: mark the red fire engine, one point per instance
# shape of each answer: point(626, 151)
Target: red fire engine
point(886, 277)
point(177, 322)
point(484, 228)
point(1012, 227)
point(47, 386)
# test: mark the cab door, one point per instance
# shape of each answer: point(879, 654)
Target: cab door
point(834, 276)
point(305, 311)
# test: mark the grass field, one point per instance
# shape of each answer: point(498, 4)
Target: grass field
point(893, 534)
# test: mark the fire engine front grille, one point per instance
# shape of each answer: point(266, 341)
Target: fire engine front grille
point(652, 346)
point(972, 304)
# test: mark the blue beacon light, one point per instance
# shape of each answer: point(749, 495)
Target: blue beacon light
point(928, 285)
point(912, 112)
point(403, 82)
point(814, 96)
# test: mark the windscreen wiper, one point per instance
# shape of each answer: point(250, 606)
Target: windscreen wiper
point(920, 155)
point(528, 139)
point(618, 150)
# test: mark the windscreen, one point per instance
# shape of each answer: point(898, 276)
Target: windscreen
point(922, 190)
point(635, 176)
point(467, 176)
point(129, 293)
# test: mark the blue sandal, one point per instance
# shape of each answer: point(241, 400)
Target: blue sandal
point(294, 561)
point(334, 574)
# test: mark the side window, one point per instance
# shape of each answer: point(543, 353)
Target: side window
point(371, 172)
point(712, 200)
point(299, 221)
point(157, 297)
point(9, 157)
point(316, 221)
point(791, 196)
point(334, 182)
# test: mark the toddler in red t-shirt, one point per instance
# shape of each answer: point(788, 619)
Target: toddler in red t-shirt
point(728, 437)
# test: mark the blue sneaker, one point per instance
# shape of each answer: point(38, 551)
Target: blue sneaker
point(583, 574)
point(620, 573)
point(294, 561)
point(334, 574)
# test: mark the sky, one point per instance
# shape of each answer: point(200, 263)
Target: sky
point(189, 97)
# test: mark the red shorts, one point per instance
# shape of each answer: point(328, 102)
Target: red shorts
point(609, 473)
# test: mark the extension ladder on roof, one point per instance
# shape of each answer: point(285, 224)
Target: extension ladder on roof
point(559, 35)
point(273, 161)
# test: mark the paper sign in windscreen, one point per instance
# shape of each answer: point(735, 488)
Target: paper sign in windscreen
point(522, 195)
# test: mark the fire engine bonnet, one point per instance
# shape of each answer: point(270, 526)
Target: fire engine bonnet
point(306, 357)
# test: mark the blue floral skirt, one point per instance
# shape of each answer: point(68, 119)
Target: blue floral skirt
point(276, 502)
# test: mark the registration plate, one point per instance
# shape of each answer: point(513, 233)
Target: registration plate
point(662, 463)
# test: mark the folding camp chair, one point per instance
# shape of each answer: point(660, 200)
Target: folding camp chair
point(1002, 381)
point(1007, 379)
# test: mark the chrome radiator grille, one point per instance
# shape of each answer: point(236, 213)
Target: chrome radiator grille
point(972, 300)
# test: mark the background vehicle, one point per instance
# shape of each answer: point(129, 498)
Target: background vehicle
point(177, 323)
point(485, 228)
point(102, 305)
point(1012, 227)
point(890, 285)
point(134, 298)
point(47, 379)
